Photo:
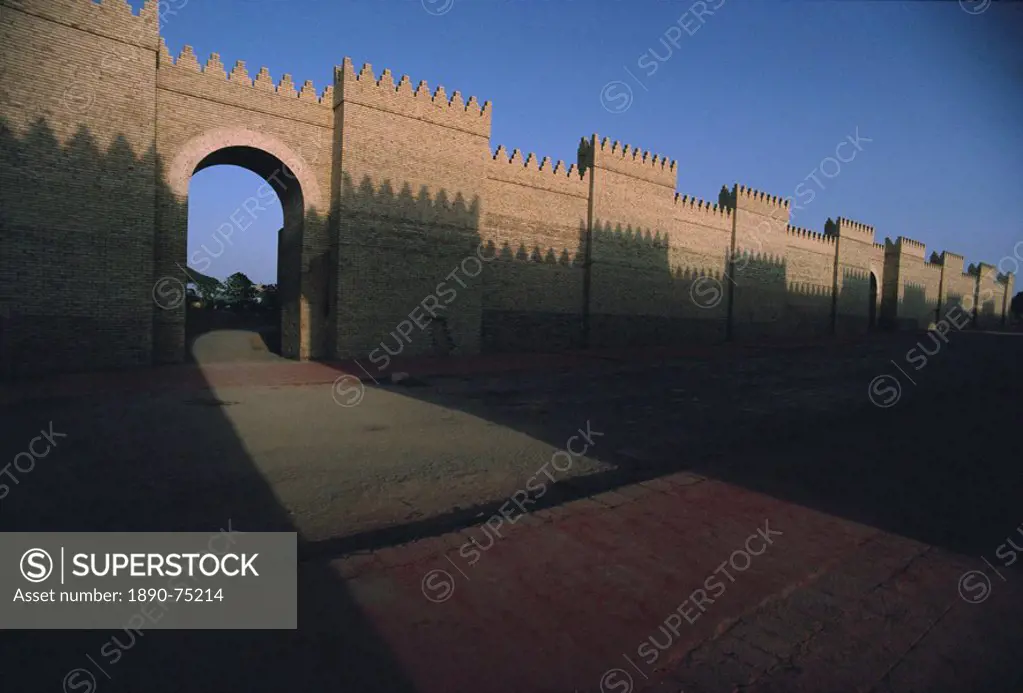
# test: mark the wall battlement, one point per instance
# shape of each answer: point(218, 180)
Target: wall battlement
point(113, 19)
point(987, 271)
point(391, 185)
point(753, 200)
point(365, 89)
point(953, 263)
point(908, 246)
point(697, 211)
point(801, 234)
point(847, 228)
point(626, 160)
point(239, 76)
point(536, 173)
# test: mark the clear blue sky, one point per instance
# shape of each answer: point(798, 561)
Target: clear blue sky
point(759, 93)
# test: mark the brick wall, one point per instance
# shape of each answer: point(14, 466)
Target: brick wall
point(990, 298)
point(913, 285)
point(535, 220)
point(957, 287)
point(396, 207)
point(207, 115)
point(76, 185)
point(641, 273)
point(412, 170)
point(860, 271)
point(760, 288)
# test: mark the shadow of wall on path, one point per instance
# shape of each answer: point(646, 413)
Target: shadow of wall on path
point(156, 461)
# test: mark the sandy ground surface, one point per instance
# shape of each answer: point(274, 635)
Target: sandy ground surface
point(939, 467)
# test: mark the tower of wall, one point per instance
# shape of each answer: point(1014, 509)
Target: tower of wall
point(77, 176)
point(958, 289)
point(408, 179)
point(631, 294)
point(534, 220)
point(990, 297)
point(206, 113)
point(859, 276)
point(912, 285)
point(758, 277)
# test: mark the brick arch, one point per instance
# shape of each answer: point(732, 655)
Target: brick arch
point(293, 177)
point(195, 150)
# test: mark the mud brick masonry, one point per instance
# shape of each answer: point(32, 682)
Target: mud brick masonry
point(386, 188)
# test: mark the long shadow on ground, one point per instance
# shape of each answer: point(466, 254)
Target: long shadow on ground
point(939, 465)
point(123, 466)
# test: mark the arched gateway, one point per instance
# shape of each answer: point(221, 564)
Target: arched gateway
point(289, 177)
point(389, 190)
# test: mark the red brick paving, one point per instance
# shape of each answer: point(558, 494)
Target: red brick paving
point(830, 606)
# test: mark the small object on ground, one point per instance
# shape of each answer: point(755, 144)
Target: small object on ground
point(405, 379)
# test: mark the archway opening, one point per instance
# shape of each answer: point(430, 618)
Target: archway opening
point(245, 217)
point(872, 307)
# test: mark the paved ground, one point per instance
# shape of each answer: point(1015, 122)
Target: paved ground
point(225, 336)
point(880, 511)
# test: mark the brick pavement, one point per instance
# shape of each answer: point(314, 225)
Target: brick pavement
point(604, 595)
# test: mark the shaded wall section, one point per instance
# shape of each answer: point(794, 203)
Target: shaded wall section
point(203, 110)
point(990, 297)
point(408, 178)
point(650, 250)
point(913, 285)
point(404, 232)
point(77, 173)
point(858, 257)
point(535, 218)
point(758, 270)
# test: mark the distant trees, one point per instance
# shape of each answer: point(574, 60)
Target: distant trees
point(726, 200)
point(1016, 307)
point(239, 289)
point(203, 289)
point(268, 298)
point(935, 258)
point(237, 292)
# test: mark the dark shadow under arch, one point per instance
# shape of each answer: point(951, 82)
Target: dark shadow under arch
point(872, 307)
